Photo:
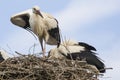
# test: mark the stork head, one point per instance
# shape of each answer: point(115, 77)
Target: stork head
point(36, 10)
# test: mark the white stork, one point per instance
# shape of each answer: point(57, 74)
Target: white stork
point(77, 50)
point(42, 24)
point(3, 55)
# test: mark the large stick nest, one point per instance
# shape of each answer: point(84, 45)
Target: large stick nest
point(31, 67)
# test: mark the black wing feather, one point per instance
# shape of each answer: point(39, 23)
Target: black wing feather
point(55, 33)
point(90, 57)
point(26, 19)
point(89, 47)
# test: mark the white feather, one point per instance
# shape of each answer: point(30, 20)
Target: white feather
point(4, 54)
point(65, 48)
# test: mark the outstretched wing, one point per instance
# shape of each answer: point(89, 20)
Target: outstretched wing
point(21, 19)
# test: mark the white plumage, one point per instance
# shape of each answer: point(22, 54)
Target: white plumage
point(42, 24)
point(3, 55)
point(77, 50)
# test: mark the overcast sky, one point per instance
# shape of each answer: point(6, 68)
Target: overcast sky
point(96, 22)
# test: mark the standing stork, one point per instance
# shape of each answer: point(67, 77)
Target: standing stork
point(42, 24)
point(77, 50)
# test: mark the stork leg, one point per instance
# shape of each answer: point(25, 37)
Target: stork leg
point(44, 49)
point(41, 42)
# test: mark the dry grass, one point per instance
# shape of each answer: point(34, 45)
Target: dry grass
point(31, 67)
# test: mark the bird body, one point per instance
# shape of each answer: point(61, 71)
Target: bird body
point(66, 48)
point(77, 50)
point(42, 24)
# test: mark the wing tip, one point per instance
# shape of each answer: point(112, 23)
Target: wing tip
point(87, 46)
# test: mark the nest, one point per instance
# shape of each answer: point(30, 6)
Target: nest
point(31, 67)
